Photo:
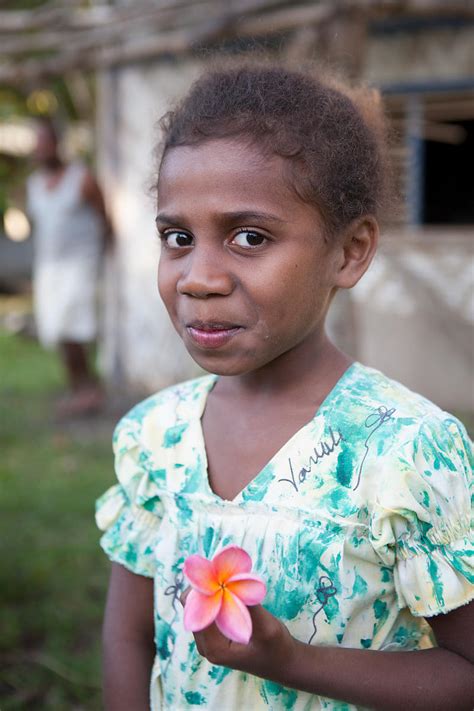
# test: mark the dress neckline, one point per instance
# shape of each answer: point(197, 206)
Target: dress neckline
point(209, 383)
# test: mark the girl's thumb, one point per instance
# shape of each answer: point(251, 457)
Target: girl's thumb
point(264, 624)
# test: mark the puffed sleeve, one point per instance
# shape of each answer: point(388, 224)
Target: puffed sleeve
point(130, 512)
point(423, 522)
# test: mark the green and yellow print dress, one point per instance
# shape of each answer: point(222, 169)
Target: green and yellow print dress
point(360, 525)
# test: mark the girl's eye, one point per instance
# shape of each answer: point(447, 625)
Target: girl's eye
point(249, 239)
point(177, 240)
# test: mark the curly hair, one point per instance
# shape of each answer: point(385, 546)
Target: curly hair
point(332, 138)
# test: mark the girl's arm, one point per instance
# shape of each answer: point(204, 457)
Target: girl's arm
point(128, 647)
point(428, 680)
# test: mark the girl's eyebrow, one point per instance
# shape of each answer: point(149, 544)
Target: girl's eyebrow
point(238, 216)
point(167, 219)
point(250, 215)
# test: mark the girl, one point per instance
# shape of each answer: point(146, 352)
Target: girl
point(350, 493)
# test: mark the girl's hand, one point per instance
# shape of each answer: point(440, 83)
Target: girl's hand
point(270, 651)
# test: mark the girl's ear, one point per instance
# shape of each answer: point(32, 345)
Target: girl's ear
point(357, 248)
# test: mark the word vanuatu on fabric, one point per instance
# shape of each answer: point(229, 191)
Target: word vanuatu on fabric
point(323, 449)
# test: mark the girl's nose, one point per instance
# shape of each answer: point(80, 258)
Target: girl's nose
point(205, 275)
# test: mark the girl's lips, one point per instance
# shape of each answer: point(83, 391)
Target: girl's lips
point(212, 336)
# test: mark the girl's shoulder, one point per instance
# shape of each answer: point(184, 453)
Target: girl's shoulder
point(368, 387)
point(368, 394)
point(171, 407)
point(382, 414)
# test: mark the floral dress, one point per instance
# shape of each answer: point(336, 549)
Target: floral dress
point(361, 526)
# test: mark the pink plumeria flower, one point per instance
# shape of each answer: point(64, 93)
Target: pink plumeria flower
point(221, 590)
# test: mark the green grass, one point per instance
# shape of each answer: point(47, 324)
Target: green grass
point(53, 574)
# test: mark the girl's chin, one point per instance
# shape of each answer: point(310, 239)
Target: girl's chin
point(222, 364)
point(219, 366)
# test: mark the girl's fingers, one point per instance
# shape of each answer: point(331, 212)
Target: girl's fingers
point(270, 645)
point(184, 595)
point(265, 625)
point(213, 645)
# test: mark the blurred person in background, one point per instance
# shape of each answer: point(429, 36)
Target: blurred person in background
point(71, 232)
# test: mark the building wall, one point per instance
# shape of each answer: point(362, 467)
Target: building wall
point(440, 53)
point(415, 314)
point(139, 346)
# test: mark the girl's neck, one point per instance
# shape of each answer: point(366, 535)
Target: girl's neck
point(311, 367)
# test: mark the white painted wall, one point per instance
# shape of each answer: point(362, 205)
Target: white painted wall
point(442, 53)
point(415, 314)
point(140, 346)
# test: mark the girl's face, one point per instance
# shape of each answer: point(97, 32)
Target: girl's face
point(245, 271)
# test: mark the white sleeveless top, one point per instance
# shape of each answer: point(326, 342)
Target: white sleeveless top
point(65, 226)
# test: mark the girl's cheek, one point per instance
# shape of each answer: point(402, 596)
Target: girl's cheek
point(167, 292)
point(165, 277)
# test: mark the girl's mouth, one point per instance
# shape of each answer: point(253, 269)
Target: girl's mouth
point(212, 334)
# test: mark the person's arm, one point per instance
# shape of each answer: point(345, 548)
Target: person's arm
point(92, 194)
point(428, 680)
point(128, 646)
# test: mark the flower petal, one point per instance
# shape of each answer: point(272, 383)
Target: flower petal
point(233, 619)
point(201, 574)
point(231, 561)
point(201, 610)
point(248, 587)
